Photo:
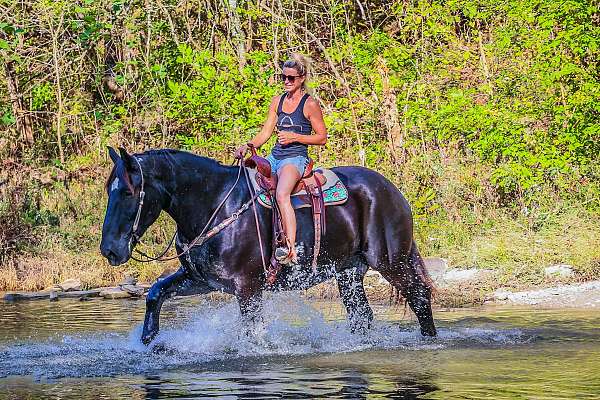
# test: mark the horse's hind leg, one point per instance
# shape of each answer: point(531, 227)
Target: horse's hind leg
point(176, 284)
point(419, 294)
point(352, 292)
point(410, 278)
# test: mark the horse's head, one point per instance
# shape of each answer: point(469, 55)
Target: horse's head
point(133, 205)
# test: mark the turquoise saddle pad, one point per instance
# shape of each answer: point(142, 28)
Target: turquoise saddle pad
point(334, 191)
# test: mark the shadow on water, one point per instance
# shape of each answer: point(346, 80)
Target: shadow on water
point(91, 350)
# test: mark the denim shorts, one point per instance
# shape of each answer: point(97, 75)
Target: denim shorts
point(300, 162)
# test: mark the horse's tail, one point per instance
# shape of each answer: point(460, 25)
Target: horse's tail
point(417, 261)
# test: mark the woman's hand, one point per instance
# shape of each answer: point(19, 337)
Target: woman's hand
point(286, 137)
point(241, 151)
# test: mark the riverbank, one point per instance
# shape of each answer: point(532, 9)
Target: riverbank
point(482, 290)
point(501, 173)
point(462, 288)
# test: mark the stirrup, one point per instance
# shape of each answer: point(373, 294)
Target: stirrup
point(284, 256)
point(281, 254)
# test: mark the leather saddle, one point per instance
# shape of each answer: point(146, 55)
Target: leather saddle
point(268, 181)
point(311, 183)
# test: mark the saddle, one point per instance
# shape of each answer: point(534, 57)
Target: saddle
point(308, 192)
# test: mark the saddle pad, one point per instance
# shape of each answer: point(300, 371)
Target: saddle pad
point(334, 191)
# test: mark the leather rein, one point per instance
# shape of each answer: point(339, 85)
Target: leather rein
point(204, 234)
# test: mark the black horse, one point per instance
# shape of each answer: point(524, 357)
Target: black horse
point(373, 229)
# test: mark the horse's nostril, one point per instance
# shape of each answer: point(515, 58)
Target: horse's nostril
point(105, 251)
point(108, 254)
point(112, 258)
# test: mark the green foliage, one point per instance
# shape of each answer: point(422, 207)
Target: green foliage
point(513, 82)
point(6, 115)
point(468, 105)
point(41, 96)
point(218, 98)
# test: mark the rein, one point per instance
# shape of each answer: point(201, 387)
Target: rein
point(204, 235)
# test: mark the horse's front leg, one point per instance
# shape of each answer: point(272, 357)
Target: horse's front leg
point(352, 292)
point(249, 296)
point(176, 284)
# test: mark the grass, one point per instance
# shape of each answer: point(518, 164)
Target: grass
point(519, 254)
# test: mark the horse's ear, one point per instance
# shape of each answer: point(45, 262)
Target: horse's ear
point(113, 154)
point(127, 159)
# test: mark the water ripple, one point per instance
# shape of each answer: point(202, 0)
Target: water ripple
point(212, 334)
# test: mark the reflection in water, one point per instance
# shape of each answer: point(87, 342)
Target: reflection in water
point(91, 350)
point(297, 383)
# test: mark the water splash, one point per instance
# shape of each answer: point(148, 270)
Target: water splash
point(212, 334)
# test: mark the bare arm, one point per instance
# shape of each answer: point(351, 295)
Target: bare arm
point(312, 111)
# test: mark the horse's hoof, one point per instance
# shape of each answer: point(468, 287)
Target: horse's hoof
point(159, 348)
point(146, 339)
point(360, 328)
point(430, 331)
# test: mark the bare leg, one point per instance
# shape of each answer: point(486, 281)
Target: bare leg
point(287, 177)
point(175, 284)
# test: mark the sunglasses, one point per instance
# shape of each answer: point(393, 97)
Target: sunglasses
point(291, 78)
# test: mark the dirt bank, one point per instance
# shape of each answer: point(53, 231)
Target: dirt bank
point(465, 293)
point(582, 295)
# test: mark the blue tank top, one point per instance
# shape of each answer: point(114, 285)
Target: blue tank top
point(293, 122)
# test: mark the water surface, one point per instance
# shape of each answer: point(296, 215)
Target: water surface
point(91, 350)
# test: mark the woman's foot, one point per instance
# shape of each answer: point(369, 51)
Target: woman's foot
point(286, 255)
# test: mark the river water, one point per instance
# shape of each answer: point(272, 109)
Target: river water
point(91, 350)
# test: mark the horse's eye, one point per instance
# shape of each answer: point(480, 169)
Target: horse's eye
point(128, 193)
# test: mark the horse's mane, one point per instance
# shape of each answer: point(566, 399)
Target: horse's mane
point(175, 158)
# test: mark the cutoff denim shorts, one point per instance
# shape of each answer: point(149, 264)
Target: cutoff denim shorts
point(300, 162)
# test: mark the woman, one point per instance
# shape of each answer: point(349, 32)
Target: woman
point(295, 114)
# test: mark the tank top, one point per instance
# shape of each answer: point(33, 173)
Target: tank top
point(292, 122)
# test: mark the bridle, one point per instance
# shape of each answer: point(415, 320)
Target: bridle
point(204, 234)
point(135, 238)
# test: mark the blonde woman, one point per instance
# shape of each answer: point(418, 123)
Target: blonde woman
point(297, 119)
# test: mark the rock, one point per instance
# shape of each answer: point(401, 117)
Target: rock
point(376, 275)
point(129, 280)
point(133, 290)
point(470, 274)
point(70, 285)
point(55, 288)
point(436, 267)
point(114, 293)
point(16, 296)
point(559, 270)
point(501, 294)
